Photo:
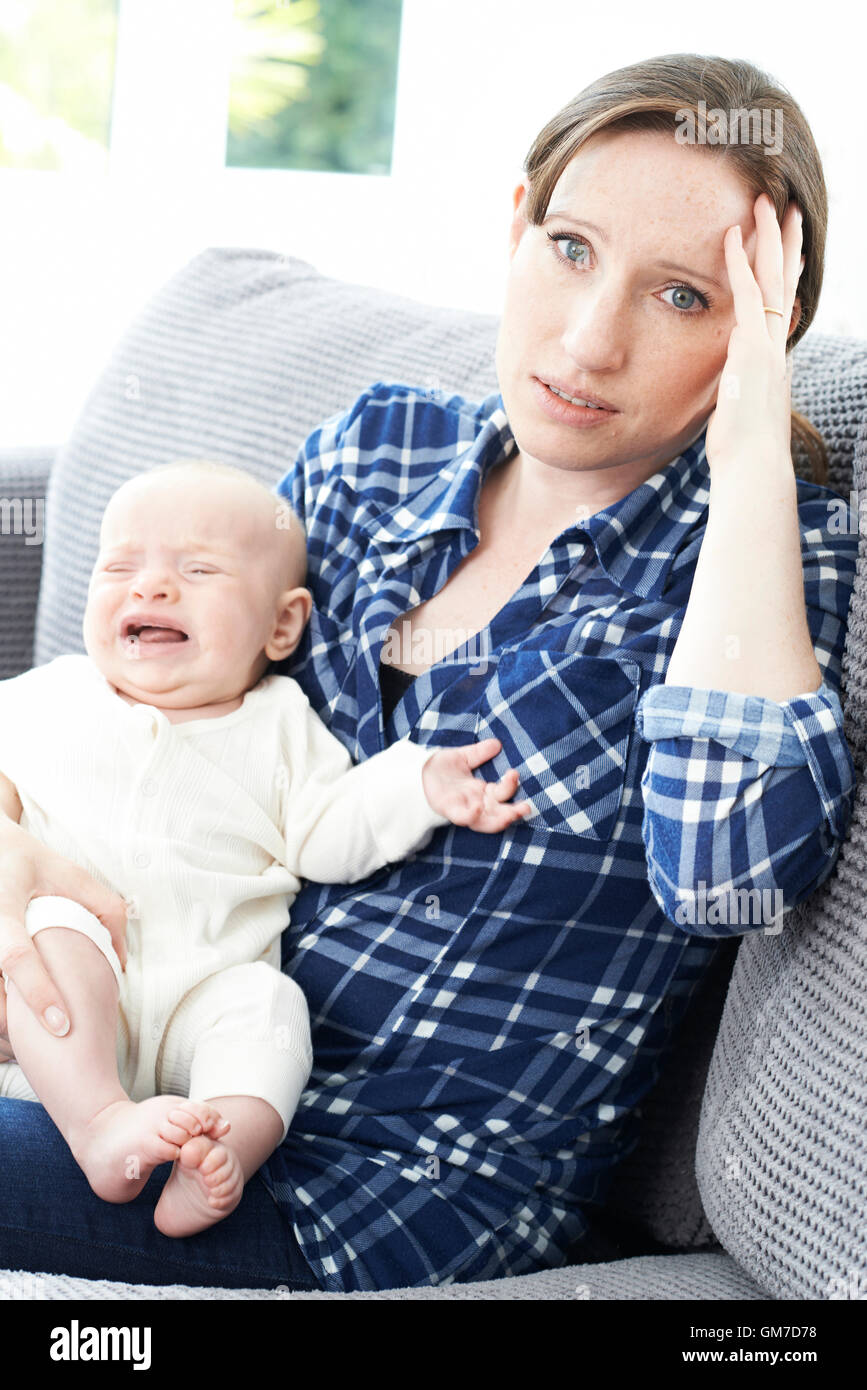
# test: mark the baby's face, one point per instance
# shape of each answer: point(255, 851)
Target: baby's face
point(186, 600)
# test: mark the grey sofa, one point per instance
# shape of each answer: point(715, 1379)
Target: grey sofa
point(748, 1179)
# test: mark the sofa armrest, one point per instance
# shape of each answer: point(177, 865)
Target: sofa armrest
point(24, 474)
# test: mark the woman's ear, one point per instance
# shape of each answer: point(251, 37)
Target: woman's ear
point(519, 218)
point(294, 609)
point(795, 319)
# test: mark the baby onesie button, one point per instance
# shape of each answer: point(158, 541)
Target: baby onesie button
point(142, 860)
point(149, 787)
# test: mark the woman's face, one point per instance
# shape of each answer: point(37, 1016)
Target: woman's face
point(603, 310)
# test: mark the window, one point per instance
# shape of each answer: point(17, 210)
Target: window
point(56, 75)
point(313, 85)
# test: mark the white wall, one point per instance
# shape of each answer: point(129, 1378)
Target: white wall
point(477, 79)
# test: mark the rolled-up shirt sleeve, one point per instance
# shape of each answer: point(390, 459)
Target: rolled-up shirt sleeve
point(747, 794)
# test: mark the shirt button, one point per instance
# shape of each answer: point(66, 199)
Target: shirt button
point(149, 787)
point(142, 860)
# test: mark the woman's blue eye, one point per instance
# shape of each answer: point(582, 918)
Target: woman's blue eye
point(682, 289)
point(684, 310)
point(570, 241)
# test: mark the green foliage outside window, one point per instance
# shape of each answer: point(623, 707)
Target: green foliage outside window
point(313, 85)
point(56, 74)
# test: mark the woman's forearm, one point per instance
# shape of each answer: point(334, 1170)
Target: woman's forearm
point(745, 628)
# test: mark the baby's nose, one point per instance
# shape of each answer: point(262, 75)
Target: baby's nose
point(152, 585)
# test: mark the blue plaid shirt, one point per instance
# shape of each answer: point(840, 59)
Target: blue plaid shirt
point(488, 1013)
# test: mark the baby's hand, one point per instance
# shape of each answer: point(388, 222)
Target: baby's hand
point(453, 791)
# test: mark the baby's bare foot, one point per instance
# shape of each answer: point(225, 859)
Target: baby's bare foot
point(204, 1186)
point(121, 1145)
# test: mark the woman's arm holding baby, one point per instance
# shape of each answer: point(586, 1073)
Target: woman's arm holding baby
point(29, 869)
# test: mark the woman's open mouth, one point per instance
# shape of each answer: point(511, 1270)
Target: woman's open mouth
point(566, 410)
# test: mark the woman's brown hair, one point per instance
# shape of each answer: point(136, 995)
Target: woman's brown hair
point(655, 95)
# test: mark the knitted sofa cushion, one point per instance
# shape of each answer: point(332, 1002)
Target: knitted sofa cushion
point(782, 1150)
point(705, 1275)
point(23, 482)
point(239, 357)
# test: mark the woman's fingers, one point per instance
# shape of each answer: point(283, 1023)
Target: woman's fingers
point(5, 1049)
point(768, 267)
point(772, 281)
point(28, 870)
point(69, 880)
point(746, 295)
point(22, 964)
point(793, 260)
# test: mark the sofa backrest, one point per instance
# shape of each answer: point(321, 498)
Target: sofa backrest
point(238, 358)
point(781, 1158)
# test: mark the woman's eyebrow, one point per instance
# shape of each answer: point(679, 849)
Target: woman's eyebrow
point(663, 265)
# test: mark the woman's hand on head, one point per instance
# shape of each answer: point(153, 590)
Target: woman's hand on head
point(453, 791)
point(29, 869)
point(753, 415)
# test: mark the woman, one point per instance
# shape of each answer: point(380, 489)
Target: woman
point(644, 604)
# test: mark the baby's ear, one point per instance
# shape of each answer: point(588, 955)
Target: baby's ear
point(293, 614)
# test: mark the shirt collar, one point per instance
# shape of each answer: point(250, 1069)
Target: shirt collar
point(448, 501)
point(635, 539)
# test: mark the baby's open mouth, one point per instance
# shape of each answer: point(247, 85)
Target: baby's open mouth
point(147, 632)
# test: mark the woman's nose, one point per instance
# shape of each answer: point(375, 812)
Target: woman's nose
point(595, 330)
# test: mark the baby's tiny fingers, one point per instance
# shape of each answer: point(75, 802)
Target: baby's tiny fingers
point(481, 752)
point(216, 1125)
point(207, 1116)
point(184, 1119)
point(507, 785)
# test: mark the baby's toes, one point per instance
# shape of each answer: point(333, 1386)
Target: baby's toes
point(225, 1192)
point(195, 1152)
point(224, 1201)
point(223, 1184)
point(216, 1166)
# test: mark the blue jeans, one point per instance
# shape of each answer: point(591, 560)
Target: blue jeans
point(51, 1221)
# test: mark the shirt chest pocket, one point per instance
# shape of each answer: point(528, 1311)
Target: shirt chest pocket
point(564, 720)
